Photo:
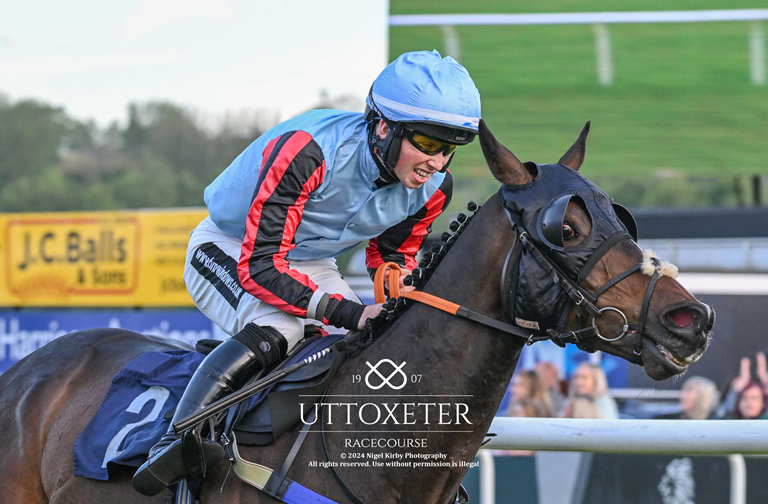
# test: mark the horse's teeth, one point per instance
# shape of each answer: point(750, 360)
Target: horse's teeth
point(665, 352)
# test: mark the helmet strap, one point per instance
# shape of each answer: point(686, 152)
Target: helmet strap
point(386, 151)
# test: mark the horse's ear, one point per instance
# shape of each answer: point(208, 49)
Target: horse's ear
point(503, 164)
point(575, 155)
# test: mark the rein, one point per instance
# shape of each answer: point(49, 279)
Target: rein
point(437, 302)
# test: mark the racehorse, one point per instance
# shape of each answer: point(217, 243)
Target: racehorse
point(48, 398)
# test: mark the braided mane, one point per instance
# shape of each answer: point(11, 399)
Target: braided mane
point(394, 308)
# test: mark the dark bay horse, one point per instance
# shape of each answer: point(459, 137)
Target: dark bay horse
point(48, 398)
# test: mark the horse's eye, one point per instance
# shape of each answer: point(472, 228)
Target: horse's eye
point(568, 232)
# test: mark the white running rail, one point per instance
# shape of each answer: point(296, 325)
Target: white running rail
point(733, 438)
point(693, 16)
point(602, 38)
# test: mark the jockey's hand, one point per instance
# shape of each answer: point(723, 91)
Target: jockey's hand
point(370, 311)
point(403, 287)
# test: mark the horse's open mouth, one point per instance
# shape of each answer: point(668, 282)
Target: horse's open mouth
point(668, 355)
point(658, 361)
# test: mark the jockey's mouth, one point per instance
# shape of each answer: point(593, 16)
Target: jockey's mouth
point(423, 175)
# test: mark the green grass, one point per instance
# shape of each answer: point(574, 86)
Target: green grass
point(681, 104)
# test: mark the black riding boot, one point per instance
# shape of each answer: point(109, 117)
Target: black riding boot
point(226, 369)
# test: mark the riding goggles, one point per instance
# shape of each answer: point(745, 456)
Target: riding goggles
point(428, 145)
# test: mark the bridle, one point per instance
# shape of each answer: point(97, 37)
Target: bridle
point(580, 297)
point(585, 300)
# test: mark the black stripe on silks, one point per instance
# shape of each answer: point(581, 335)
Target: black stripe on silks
point(266, 164)
point(220, 270)
point(393, 238)
point(272, 224)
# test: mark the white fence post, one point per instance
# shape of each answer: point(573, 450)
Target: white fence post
point(757, 53)
point(451, 42)
point(690, 437)
point(487, 477)
point(738, 479)
point(603, 54)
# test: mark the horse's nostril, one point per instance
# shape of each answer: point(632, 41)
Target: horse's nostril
point(710, 318)
point(683, 317)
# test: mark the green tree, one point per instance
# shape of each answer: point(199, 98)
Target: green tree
point(31, 135)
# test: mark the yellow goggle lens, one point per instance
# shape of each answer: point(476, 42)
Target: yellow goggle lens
point(432, 146)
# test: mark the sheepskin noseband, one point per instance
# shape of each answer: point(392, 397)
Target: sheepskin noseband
point(651, 263)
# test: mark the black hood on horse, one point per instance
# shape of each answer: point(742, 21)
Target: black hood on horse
point(536, 300)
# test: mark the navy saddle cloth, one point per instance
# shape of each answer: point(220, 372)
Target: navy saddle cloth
point(138, 407)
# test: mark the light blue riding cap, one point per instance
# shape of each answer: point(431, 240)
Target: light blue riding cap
point(424, 87)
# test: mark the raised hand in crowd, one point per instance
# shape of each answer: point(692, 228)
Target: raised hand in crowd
point(746, 398)
point(745, 376)
point(762, 370)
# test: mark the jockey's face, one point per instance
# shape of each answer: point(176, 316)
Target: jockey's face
point(413, 166)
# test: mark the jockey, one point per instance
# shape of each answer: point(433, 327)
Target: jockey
point(261, 265)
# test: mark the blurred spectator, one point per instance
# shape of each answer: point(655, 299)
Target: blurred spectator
point(698, 400)
point(549, 375)
point(745, 398)
point(751, 403)
point(524, 384)
point(528, 408)
point(588, 395)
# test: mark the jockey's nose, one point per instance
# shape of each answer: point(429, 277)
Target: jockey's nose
point(437, 161)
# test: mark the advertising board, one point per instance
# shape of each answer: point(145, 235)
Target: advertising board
point(89, 259)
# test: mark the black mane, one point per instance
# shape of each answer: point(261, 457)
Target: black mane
point(394, 308)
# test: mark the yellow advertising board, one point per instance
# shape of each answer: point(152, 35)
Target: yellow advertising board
point(92, 259)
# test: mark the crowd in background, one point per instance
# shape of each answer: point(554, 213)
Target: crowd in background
point(541, 393)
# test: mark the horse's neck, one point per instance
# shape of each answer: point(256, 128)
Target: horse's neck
point(456, 356)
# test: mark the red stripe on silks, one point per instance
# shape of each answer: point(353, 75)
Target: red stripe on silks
point(268, 151)
point(372, 255)
point(292, 147)
point(292, 221)
point(411, 245)
point(410, 262)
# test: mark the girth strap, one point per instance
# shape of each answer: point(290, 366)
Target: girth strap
point(258, 476)
point(277, 481)
point(354, 498)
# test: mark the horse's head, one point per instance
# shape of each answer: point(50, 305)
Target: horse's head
point(579, 263)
